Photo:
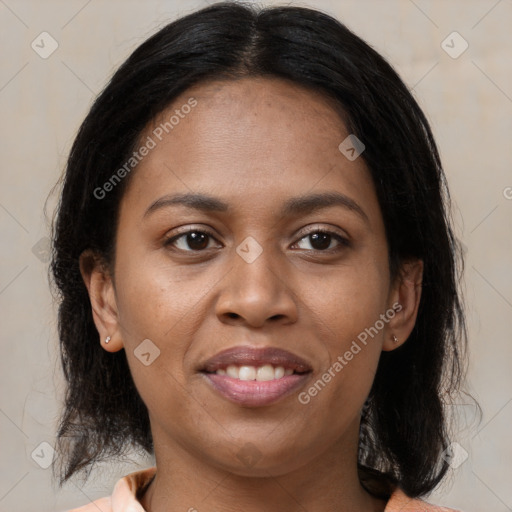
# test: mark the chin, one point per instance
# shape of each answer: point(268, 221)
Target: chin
point(257, 458)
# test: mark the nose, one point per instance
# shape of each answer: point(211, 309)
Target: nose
point(256, 293)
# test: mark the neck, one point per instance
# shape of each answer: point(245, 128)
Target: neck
point(187, 482)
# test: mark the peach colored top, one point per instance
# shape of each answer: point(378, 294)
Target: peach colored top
point(123, 498)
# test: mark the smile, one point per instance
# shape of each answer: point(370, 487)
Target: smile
point(254, 393)
point(255, 377)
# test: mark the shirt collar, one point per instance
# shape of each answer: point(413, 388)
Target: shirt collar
point(124, 496)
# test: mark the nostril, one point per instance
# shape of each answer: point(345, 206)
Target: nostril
point(233, 315)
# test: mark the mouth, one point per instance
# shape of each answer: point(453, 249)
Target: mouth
point(255, 377)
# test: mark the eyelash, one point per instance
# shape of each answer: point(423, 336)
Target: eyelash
point(344, 242)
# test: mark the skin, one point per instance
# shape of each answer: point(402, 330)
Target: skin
point(252, 143)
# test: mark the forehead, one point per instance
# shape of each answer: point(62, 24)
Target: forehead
point(250, 137)
point(256, 93)
point(264, 112)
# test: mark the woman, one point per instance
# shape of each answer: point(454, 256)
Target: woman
point(257, 274)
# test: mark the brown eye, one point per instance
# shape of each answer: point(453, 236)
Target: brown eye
point(190, 241)
point(320, 240)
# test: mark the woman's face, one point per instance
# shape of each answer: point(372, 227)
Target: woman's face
point(254, 273)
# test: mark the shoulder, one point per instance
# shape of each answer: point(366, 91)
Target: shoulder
point(103, 504)
point(124, 495)
point(400, 502)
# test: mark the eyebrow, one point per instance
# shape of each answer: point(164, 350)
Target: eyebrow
point(296, 205)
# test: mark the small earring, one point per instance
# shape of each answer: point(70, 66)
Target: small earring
point(395, 339)
point(107, 339)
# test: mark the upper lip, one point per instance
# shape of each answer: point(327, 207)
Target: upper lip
point(244, 355)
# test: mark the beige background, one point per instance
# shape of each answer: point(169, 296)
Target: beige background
point(468, 101)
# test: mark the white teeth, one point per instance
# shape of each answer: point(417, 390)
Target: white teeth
point(247, 373)
point(280, 372)
point(260, 373)
point(232, 371)
point(266, 372)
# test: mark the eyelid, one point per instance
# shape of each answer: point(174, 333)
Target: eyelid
point(185, 230)
point(323, 229)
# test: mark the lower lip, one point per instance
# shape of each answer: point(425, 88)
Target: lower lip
point(253, 393)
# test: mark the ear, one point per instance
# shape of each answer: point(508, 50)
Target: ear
point(99, 284)
point(404, 300)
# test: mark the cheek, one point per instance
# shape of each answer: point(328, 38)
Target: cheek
point(153, 297)
point(155, 304)
point(154, 313)
point(146, 302)
point(347, 309)
point(348, 300)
